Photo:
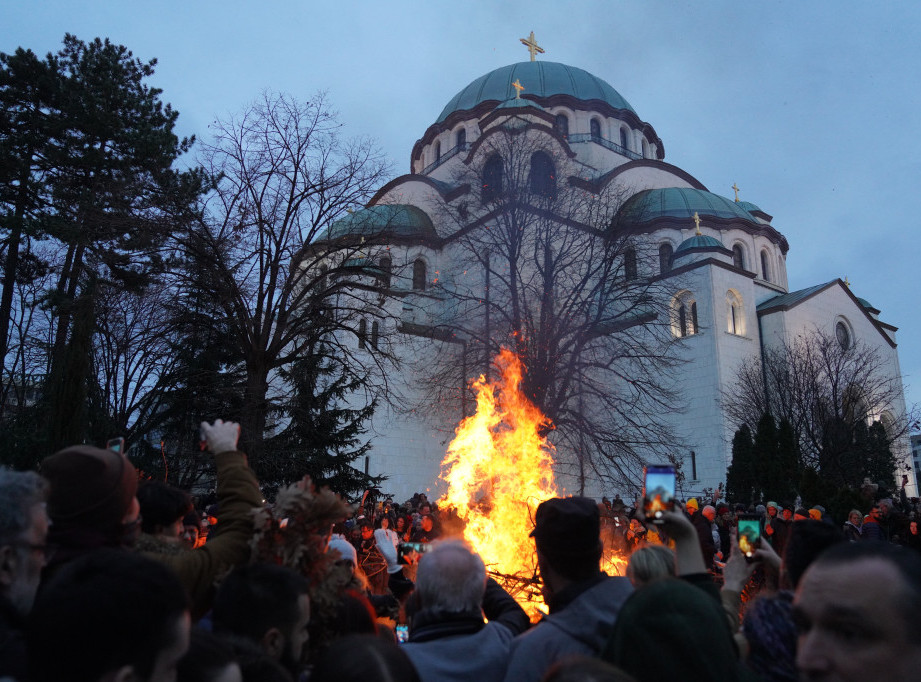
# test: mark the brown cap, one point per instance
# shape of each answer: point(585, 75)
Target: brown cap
point(90, 487)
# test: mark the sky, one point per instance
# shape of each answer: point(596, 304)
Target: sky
point(812, 108)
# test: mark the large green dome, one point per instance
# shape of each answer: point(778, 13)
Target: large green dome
point(683, 203)
point(540, 79)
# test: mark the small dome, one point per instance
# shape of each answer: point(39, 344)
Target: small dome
point(397, 220)
point(682, 203)
point(540, 79)
point(866, 304)
point(749, 206)
point(699, 241)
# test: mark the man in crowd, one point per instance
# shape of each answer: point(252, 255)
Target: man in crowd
point(93, 504)
point(448, 639)
point(269, 606)
point(583, 601)
point(109, 616)
point(857, 612)
point(708, 516)
point(704, 532)
point(23, 534)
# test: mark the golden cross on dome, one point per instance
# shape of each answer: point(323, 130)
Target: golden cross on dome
point(518, 88)
point(737, 191)
point(531, 43)
point(697, 222)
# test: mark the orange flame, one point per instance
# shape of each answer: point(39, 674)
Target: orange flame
point(499, 469)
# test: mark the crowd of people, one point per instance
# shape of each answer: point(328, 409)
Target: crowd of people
point(103, 578)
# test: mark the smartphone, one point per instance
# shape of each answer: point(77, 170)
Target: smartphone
point(749, 535)
point(116, 445)
point(408, 552)
point(402, 633)
point(658, 492)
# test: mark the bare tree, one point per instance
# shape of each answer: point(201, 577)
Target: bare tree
point(284, 175)
point(548, 268)
point(827, 391)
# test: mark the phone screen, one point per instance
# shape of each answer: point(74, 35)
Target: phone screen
point(659, 492)
point(749, 534)
point(409, 552)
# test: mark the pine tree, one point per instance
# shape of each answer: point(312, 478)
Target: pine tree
point(741, 478)
point(323, 437)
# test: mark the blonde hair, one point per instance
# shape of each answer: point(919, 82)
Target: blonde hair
point(650, 563)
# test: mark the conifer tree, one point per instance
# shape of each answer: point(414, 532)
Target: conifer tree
point(740, 476)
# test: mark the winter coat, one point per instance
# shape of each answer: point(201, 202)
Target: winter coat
point(580, 628)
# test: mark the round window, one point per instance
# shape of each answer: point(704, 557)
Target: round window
point(843, 334)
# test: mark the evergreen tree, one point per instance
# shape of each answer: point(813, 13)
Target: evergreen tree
point(741, 478)
point(323, 437)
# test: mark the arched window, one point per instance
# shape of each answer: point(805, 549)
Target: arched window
point(595, 128)
point(542, 178)
point(386, 267)
point(645, 149)
point(461, 139)
point(561, 123)
point(765, 266)
point(738, 256)
point(362, 333)
point(843, 334)
point(375, 331)
point(623, 138)
point(630, 264)
point(419, 275)
point(492, 178)
point(665, 258)
point(684, 314)
point(735, 313)
point(437, 150)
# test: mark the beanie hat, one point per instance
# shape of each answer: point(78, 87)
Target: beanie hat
point(90, 487)
point(345, 548)
point(692, 504)
point(567, 527)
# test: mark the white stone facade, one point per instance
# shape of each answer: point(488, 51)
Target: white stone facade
point(408, 446)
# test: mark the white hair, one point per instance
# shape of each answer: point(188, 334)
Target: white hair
point(451, 578)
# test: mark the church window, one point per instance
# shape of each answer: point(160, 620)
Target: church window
point(843, 334)
point(630, 271)
point(419, 275)
point(542, 180)
point(665, 258)
point(437, 150)
point(461, 139)
point(362, 332)
point(561, 124)
point(765, 266)
point(492, 178)
point(375, 332)
point(386, 267)
point(684, 315)
point(738, 256)
point(595, 129)
point(623, 138)
point(735, 318)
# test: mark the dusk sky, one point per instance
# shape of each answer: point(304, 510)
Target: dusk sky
point(813, 108)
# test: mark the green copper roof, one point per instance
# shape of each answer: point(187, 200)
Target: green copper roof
point(540, 79)
point(792, 298)
point(700, 241)
point(518, 103)
point(682, 203)
point(866, 304)
point(400, 220)
point(749, 206)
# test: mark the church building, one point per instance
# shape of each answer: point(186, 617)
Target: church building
point(719, 267)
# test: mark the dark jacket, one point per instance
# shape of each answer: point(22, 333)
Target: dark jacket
point(457, 647)
point(13, 657)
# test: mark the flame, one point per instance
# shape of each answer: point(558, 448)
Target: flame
point(499, 468)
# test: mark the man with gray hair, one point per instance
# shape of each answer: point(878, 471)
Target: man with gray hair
point(448, 638)
point(23, 534)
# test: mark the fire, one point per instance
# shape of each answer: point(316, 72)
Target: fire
point(499, 469)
